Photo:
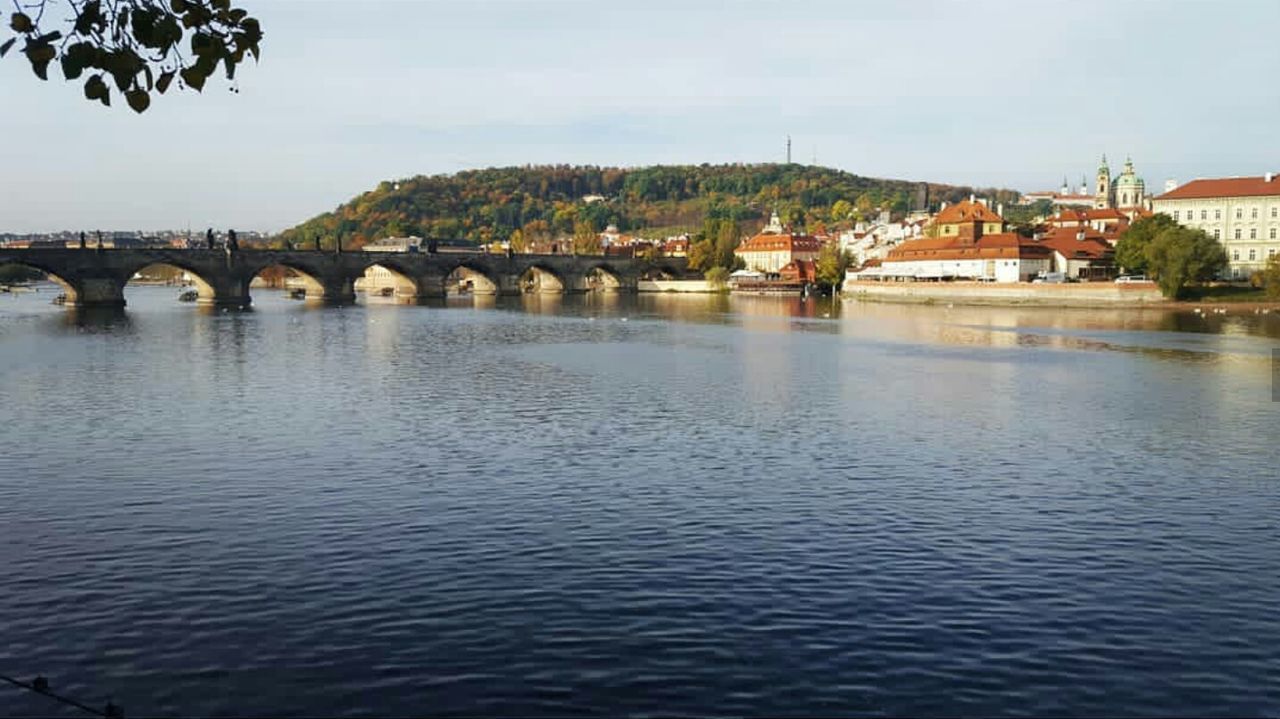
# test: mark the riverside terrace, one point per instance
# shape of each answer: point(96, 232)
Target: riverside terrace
point(97, 277)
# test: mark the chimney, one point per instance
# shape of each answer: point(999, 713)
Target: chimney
point(944, 206)
point(1080, 236)
point(1000, 209)
point(1270, 176)
point(970, 198)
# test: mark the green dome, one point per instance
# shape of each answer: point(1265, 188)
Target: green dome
point(1129, 181)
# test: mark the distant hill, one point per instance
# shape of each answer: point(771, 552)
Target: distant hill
point(545, 201)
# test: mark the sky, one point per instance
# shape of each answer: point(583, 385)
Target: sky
point(1012, 94)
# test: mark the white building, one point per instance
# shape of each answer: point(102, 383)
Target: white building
point(1242, 212)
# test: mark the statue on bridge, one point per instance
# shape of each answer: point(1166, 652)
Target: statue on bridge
point(208, 238)
point(233, 244)
point(82, 240)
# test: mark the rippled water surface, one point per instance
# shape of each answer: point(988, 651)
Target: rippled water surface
point(653, 505)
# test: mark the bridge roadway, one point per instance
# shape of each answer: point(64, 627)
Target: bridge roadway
point(96, 277)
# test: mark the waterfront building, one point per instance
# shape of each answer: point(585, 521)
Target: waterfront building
point(412, 243)
point(969, 243)
point(1241, 212)
point(1080, 252)
point(776, 246)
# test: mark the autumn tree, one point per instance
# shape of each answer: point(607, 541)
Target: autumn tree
point(831, 264)
point(841, 210)
point(1180, 256)
point(517, 242)
point(1271, 277)
point(1131, 249)
point(586, 241)
point(716, 277)
point(136, 45)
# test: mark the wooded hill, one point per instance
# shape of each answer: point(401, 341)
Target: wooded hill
point(552, 201)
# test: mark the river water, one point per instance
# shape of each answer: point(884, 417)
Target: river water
point(654, 505)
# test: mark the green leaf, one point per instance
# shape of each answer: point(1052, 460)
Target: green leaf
point(162, 83)
point(138, 99)
point(4, 47)
point(20, 22)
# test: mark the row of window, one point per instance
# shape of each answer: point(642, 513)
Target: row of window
point(1253, 234)
point(1217, 214)
point(1253, 254)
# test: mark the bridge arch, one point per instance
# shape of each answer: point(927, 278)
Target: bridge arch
point(468, 278)
point(541, 278)
point(206, 292)
point(603, 277)
point(660, 272)
point(386, 277)
point(69, 290)
point(297, 281)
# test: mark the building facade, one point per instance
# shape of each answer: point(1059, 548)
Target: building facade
point(775, 248)
point(970, 243)
point(1241, 212)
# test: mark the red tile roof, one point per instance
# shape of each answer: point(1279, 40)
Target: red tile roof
point(1003, 245)
point(1066, 241)
point(966, 211)
point(1224, 187)
point(774, 243)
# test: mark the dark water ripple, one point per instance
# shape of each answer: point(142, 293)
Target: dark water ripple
point(550, 511)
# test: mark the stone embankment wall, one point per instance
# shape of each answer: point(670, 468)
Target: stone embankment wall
point(676, 286)
point(1022, 293)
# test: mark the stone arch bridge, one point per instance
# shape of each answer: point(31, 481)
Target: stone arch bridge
point(97, 277)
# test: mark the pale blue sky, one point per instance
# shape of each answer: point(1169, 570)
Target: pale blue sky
point(349, 93)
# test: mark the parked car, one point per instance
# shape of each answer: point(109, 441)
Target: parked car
point(1124, 279)
point(1054, 278)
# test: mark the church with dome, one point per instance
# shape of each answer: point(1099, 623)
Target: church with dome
point(1125, 192)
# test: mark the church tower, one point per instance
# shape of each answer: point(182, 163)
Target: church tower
point(1130, 190)
point(1102, 192)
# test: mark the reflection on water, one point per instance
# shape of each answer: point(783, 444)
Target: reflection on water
point(663, 504)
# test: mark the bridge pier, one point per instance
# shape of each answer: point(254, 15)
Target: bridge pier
point(335, 291)
point(95, 291)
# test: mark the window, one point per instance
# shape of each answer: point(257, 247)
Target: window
point(1255, 213)
point(1271, 252)
point(1175, 215)
point(1239, 213)
point(1217, 233)
point(1204, 214)
point(1253, 233)
point(1273, 234)
point(1253, 255)
point(1237, 233)
point(1274, 213)
point(1235, 255)
point(1217, 214)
